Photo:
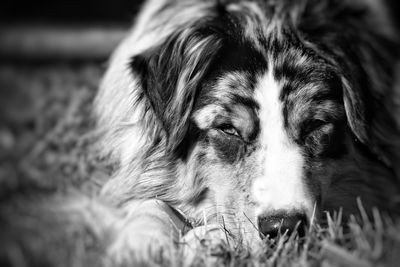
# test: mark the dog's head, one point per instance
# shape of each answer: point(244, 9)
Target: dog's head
point(255, 110)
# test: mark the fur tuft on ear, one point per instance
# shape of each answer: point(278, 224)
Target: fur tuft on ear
point(171, 75)
point(356, 111)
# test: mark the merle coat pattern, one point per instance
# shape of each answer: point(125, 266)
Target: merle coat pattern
point(237, 111)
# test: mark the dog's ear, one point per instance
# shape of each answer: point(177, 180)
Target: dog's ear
point(368, 58)
point(361, 47)
point(367, 65)
point(171, 75)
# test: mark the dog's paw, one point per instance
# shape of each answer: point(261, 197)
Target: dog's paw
point(139, 248)
point(205, 240)
point(140, 243)
point(146, 236)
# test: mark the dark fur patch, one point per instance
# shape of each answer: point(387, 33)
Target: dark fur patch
point(165, 68)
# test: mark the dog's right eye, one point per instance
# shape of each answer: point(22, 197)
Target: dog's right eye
point(314, 125)
point(228, 129)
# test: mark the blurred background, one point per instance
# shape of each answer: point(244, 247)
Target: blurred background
point(44, 29)
point(64, 10)
point(52, 56)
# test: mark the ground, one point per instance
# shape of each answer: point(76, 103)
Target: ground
point(47, 145)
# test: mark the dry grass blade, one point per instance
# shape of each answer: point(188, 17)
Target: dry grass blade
point(341, 257)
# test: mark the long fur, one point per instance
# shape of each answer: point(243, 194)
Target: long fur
point(168, 66)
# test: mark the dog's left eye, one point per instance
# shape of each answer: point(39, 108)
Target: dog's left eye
point(229, 129)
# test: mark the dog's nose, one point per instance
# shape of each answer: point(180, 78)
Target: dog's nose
point(272, 225)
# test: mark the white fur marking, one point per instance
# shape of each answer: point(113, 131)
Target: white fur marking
point(281, 185)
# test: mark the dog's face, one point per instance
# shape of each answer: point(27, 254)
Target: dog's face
point(268, 138)
point(254, 112)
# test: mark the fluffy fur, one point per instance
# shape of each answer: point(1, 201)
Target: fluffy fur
point(233, 110)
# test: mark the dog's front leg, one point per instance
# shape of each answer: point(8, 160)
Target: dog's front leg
point(147, 234)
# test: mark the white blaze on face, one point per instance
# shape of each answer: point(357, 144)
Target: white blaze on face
point(280, 186)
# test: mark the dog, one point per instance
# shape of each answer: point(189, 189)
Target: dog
point(256, 115)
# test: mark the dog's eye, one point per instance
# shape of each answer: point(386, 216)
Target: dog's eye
point(314, 125)
point(229, 129)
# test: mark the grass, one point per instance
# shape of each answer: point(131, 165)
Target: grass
point(374, 242)
point(47, 146)
point(46, 137)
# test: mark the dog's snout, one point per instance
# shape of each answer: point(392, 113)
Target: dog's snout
point(273, 225)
